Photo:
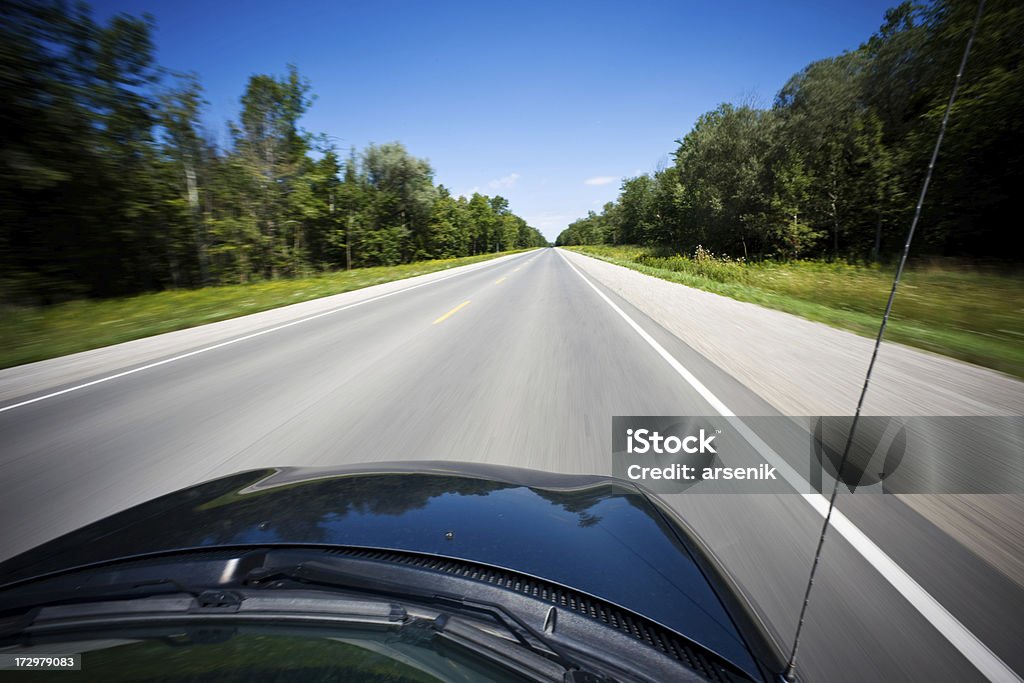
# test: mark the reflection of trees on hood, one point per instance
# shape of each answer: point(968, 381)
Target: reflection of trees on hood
point(580, 503)
point(299, 511)
point(215, 513)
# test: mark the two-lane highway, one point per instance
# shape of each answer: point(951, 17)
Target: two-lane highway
point(520, 361)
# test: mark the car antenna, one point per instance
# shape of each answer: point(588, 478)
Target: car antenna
point(790, 673)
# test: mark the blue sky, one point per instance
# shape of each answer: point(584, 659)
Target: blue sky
point(549, 104)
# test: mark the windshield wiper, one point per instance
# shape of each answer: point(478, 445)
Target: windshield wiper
point(323, 574)
point(22, 599)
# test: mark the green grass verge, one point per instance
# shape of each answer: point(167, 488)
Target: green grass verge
point(32, 334)
point(970, 314)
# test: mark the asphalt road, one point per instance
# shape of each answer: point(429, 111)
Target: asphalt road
point(519, 361)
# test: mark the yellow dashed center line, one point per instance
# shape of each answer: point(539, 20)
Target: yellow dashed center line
point(451, 312)
point(499, 280)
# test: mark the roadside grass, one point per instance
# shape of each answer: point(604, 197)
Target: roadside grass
point(32, 334)
point(967, 313)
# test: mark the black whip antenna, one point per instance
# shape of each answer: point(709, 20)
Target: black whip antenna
point(791, 664)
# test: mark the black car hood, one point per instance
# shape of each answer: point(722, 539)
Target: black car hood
point(594, 534)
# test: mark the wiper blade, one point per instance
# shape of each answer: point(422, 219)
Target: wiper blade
point(26, 599)
point(25, 607)
point(324, 574)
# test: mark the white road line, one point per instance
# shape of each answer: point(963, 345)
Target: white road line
point(469, 269)
point(968, 644)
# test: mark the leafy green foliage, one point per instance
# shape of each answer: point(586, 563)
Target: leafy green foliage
point(834, 167)
point(110, 186)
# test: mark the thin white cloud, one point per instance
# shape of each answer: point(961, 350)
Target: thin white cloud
point(549, 224)
point(504, 182)
point(600, 180)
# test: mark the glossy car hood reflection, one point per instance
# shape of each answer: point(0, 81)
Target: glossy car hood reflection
point(594, 534)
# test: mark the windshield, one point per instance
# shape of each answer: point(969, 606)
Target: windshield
point(241, 656)
point(703, 321)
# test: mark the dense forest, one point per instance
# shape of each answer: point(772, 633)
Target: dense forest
point(833, 169)
point(110, 185)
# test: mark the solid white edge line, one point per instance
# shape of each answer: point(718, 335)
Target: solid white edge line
point(968, 644)
point(467, 269)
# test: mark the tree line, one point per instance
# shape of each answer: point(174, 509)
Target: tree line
point(834, 167)
point(110, 184)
